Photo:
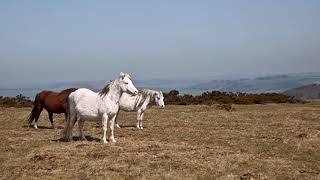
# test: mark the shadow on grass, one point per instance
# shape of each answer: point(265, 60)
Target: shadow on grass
point(42, 127)
point(128, 126)
point(89, 138)
point(124, 126)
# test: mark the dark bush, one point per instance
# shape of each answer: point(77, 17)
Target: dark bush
point(18, 101)
point(226, 107)
point(218, 97)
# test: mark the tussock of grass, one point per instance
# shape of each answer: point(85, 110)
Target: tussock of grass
point(179, 142)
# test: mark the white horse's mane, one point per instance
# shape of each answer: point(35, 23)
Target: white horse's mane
point(104, 91)
point(148, 92)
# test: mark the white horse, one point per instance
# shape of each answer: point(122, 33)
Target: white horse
point(101, 106)
point(139, 103)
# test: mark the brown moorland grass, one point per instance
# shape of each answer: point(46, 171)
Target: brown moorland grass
point(273, 141)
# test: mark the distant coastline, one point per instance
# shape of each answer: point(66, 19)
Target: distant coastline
point(27, 92)
point(275, 83)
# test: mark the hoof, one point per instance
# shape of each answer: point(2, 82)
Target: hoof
point(35, 126)
point(117, 125)
point(103, 141)
point(69, 139)
point(53, 126)
point(113, 140)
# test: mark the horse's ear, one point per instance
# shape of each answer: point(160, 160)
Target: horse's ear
point(122, 75)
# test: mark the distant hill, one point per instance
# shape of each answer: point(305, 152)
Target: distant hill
point(309, 92)
point(278, 83)
point(191, 85)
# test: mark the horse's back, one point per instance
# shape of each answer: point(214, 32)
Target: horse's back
point(84, 101)
point(83, 94)
point(63, 95)
point(128, 102)
point(55, 101)
point(43, 95)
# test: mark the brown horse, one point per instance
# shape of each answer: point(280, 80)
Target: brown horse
point(53, 102)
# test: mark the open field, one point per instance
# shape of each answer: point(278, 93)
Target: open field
point(274, 141)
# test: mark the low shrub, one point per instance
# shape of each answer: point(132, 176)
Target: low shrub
point(18, 101)
point(218, 97)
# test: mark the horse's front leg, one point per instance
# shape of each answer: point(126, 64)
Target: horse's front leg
point(104, 123)
point(116, 120)
point(139, 119)
point(66, 116)
point(112, 122)
point(51, 120)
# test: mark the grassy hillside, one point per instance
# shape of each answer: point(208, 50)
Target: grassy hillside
point(276, 83)
point(309, 92)
point(275, 141)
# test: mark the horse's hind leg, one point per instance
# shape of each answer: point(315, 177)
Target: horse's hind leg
point(51, 120)
point(81, 125)
point(69, 126)
point(36, 117)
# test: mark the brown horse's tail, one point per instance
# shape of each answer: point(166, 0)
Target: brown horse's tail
point(35, 109)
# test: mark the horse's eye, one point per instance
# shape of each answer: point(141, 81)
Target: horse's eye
point(126, 83)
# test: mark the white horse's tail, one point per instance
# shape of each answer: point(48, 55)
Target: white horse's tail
point(71, 115)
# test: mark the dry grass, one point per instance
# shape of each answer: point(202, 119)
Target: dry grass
point(179, 142)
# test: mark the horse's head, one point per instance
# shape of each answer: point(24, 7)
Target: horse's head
point(158, 98)
point(126, 84)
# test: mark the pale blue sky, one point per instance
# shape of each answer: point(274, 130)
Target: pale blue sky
point(69, 40)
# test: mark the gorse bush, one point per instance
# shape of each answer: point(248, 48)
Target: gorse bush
point(217, 97)
point(173, 98)
point(18, 101)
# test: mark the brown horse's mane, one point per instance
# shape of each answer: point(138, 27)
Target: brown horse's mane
point(68, 91)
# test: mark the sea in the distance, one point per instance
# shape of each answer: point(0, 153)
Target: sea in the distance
point(30, 93)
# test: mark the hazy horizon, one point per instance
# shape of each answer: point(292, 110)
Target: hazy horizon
point(63, 41)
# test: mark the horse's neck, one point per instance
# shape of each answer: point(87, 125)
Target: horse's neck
point(151, 97)
point(114, 94)
point(144, 99)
